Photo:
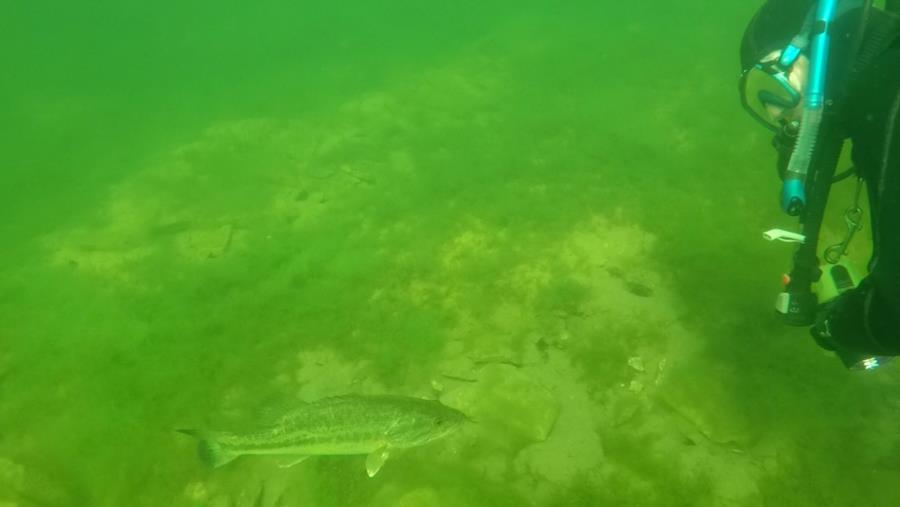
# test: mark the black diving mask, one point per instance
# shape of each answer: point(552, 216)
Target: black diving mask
point(766, 92)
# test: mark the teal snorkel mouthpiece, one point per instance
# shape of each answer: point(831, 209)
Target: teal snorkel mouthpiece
point(793, 192)
point(793, 195)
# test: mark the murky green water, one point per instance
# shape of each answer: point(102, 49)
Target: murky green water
point(547, 217)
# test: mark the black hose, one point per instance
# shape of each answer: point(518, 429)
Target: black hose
point(844, 175)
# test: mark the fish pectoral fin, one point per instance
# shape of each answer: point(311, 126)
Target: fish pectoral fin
point(292, 461)
point(376, 460)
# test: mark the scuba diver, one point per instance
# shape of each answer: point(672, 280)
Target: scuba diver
point(817, 73)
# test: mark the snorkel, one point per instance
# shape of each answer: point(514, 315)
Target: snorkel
point(793, 191)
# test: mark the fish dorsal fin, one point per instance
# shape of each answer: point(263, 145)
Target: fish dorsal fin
point(376, 460)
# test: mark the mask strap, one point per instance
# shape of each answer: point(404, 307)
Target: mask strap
point(800, 41)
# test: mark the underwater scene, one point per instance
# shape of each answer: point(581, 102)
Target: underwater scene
point(405, 253)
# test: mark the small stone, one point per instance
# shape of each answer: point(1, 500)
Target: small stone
point(660, 370)
point(209, 243)
point(636, 386)
point(639, 289)
point(636, 363)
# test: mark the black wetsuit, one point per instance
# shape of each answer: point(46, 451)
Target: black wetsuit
point(866, 319)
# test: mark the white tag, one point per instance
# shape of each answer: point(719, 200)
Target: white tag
point(783, 235)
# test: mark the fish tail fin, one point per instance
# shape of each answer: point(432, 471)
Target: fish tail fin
point(209, 449)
